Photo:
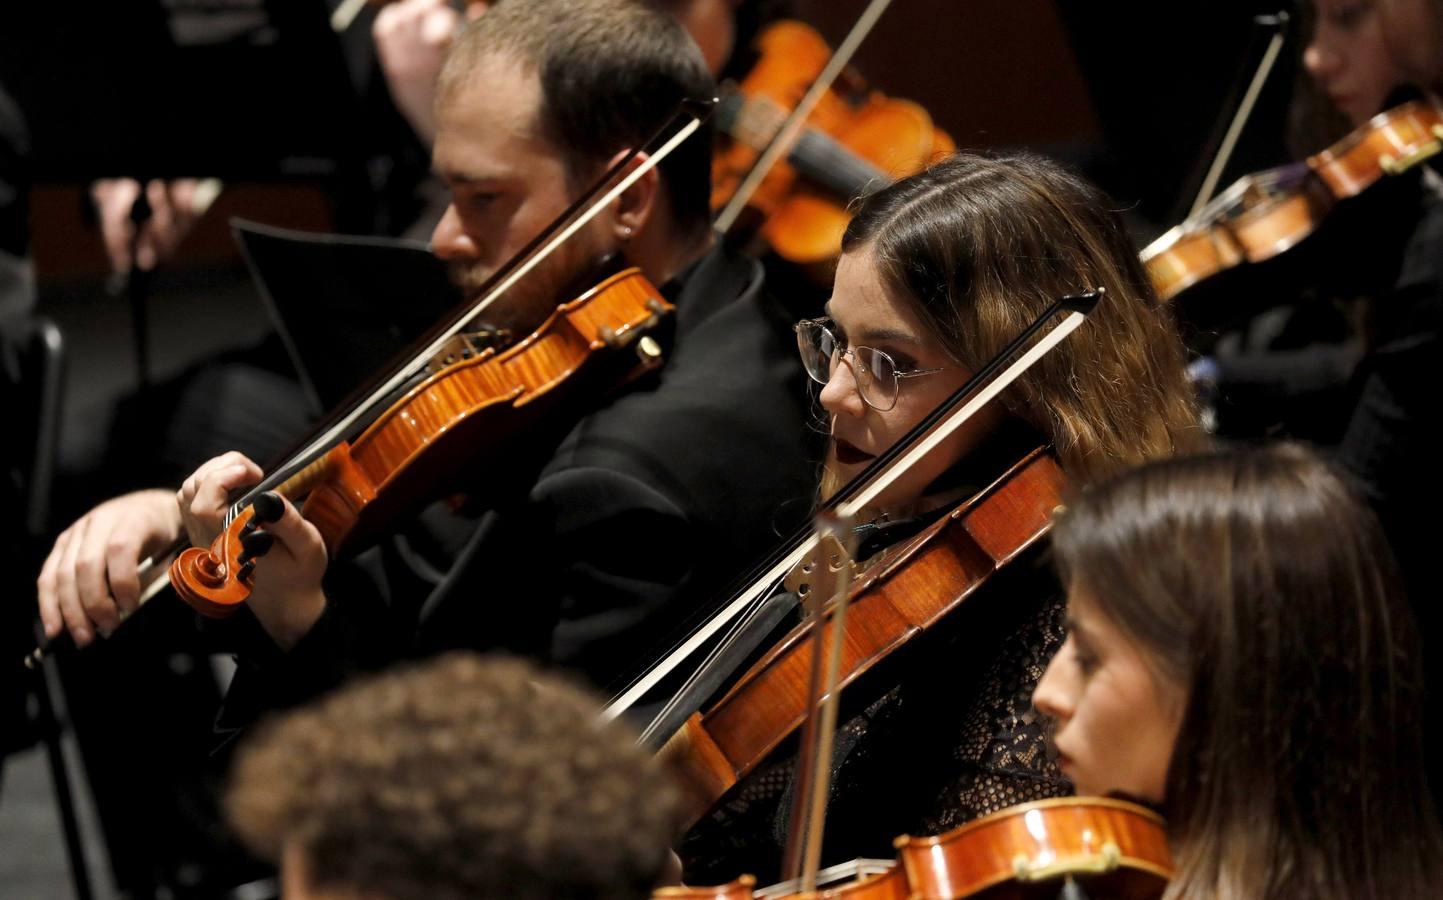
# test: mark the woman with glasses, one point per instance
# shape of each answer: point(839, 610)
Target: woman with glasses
point(939, 271)
point(1256, 676)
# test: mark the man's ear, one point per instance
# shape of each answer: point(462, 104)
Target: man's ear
point(637, 204)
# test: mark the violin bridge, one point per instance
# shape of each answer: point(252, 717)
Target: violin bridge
point(467, 345)
point(818, 572)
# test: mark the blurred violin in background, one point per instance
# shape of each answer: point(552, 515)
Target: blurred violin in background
point(1269, 212)
point(856, 140)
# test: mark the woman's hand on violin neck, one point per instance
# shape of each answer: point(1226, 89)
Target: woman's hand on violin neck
point(288, 599)
point(205, 495)
point(91, 579)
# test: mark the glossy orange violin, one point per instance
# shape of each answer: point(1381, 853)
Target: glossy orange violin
point(1109, 848)
point(473, 402)
point(1265, 214)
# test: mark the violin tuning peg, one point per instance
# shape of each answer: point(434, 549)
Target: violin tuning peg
point(257, 543)
point(268, 507)
point(648, 350)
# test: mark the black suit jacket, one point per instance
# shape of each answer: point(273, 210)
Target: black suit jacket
point(645, 510)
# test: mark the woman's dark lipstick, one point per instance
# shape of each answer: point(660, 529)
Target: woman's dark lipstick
point(848, 455)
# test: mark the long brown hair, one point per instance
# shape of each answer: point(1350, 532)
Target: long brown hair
point(1261, 584)
point(982, 244)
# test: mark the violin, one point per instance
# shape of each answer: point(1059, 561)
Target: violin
point(474, 399)
point(855, 141)
point(912, 587)
point(1265, 214)
point(1110, 848)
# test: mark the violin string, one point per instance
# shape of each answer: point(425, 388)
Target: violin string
point(648, 680)
point(950, 415)
point(733, 634)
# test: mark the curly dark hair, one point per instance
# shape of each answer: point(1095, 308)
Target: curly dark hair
point(459, 778)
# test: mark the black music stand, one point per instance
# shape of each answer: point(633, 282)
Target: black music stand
point(344, 305)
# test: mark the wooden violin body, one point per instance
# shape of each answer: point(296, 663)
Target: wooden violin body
point(1112, 848)
point(1119, 848)
point(470, 404)
point(1265, 214)
point(855, 142)
point(914, 586)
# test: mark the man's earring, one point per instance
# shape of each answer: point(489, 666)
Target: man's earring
point(626, 232)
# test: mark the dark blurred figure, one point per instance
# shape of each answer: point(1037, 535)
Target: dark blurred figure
point(17, 301)
point(1287, 368)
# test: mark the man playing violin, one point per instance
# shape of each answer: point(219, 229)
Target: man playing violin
point(589, 545)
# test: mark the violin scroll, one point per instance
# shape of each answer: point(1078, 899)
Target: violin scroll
point(215, 581)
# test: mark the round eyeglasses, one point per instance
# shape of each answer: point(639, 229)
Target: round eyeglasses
point(876, 374)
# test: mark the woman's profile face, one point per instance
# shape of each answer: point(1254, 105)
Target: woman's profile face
point(1115, 723)
point(865, 313)
point(1348, 58)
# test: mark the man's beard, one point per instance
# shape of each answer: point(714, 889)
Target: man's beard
point(527, 303)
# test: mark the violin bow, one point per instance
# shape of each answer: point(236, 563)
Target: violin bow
point(612, 184)
point(1244, 111)
point(786, 135)
point(990, 380)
